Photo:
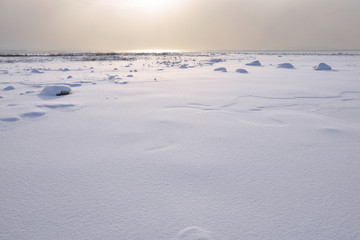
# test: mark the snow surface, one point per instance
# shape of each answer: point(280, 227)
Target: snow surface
point(180, 154)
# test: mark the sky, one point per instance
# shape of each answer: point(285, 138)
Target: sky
point(123, 25)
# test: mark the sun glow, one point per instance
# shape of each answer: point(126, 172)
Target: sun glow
point(156, 51)
point(151, 5)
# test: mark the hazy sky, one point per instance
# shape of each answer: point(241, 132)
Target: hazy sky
point(110, 25)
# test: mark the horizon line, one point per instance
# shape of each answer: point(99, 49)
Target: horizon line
point(5, 53)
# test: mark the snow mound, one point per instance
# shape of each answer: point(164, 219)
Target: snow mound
point(220, 69)
point(240, 70)
point(8, 88)
point(55, 91)
point(254, 63)
point(322, 67)
point(285, 65)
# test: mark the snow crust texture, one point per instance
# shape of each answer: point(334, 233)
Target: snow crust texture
point(179, 153)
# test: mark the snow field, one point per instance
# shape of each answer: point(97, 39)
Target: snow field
point(195, 154)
